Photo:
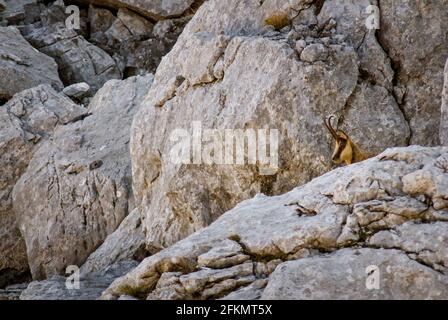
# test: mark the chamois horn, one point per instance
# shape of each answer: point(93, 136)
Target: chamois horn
point(330, 127)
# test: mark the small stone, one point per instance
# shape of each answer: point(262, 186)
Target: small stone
point(293, 35)
point(77, 90)
point(286, 29)
point(339, 38)
point(314, 52)
point(300, 45)
point(325, 40)
point(162, 28)
point(266, 29)
point(331, 24)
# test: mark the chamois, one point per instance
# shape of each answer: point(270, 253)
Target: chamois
point(345, 150)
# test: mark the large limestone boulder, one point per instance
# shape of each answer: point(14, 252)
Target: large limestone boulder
point(325, 239)
point(78, 59)
point(23, 67)
point(26, 121)
point(342, 275)
point(229, 70)
point(86, 173)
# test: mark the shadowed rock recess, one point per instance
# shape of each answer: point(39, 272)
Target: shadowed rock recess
point(89, 116)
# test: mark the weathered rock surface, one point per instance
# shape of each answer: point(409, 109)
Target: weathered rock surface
point(157, 10)
point(91, 285)
point(21, 66)
point(250, 292)
point(419, 56)
point(86, 174)
point(229, 71)
point(78, 60)
point(426, 242)
point(27, 120)
point(16, 12)
point(342, 275)
point(387, 211)
point(444, 110)
point(401, 56)
point(125, 243)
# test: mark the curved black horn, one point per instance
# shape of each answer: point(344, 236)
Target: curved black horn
point(330, 128)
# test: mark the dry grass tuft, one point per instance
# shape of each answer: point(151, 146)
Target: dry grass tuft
point(278, 20)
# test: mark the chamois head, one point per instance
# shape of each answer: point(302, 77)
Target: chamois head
point(345, 150)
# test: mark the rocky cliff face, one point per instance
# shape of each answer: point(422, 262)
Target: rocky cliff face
point(86, 169)
point(114, 39)
point(26, 122)
point(87, 158)
point(91, 142)
point(322, 61)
